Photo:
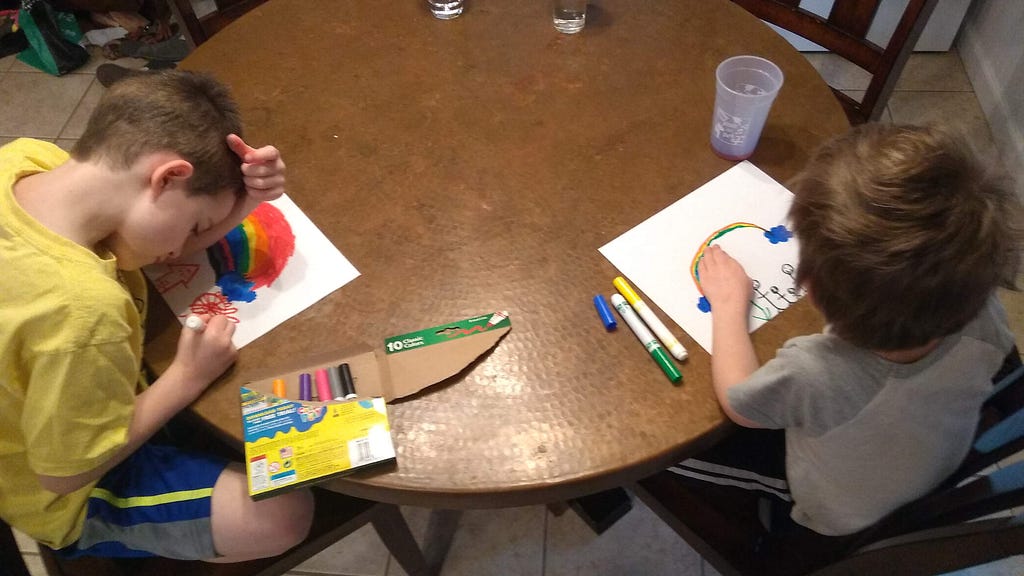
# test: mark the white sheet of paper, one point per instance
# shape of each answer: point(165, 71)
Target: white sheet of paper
point(315, 269)
point(744, 204)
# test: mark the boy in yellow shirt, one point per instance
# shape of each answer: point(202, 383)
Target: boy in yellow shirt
point(160, 171)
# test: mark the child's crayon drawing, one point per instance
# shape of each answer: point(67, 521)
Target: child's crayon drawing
point(745, 212)
point(259, 275)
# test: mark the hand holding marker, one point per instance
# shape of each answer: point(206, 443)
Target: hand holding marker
point(196, 323)
point(646, 338)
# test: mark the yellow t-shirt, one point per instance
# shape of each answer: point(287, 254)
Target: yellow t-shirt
point(70, 357)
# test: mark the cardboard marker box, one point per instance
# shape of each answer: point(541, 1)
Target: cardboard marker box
point(291, 443)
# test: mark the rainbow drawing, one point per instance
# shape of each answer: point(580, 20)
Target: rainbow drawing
point(253, 254)
point(775, 235)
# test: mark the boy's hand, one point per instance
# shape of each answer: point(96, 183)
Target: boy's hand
point(263, 176)
point(726, 285)
point(204, 355)
point(262, 169)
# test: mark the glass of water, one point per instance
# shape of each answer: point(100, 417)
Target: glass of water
point(445, 9)
point(569, 16)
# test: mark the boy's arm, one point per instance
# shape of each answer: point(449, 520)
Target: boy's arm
point(727, 287)
point(201, 357)
point(263, 174)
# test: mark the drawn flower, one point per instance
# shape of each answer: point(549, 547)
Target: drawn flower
point(703, 305)
point(214, 304)
point(778, 234)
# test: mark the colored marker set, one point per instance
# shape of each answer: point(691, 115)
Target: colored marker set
point(642, 321)
point(332, 383)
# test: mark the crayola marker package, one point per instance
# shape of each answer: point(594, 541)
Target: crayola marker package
point(290, 444)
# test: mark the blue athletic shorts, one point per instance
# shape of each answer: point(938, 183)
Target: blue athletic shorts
point(154, 503)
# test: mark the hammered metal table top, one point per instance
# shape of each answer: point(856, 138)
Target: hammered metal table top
point(478, 164)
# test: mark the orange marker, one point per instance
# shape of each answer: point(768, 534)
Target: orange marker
point(279, 388)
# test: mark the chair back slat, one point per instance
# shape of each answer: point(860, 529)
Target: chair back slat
point(1007, 381)
point(1001, 427)
point(844, 32)
point(981, 496)
point(853, 16)
point(815, 28)
point(936, 551)
point(1002, 434)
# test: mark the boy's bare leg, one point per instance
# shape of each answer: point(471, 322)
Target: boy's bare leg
point(244, 529)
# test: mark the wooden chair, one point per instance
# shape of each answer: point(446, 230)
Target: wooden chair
point(937, 533)
point(335, 517)
point(199, 29)
point(11, 562)
point(844, 32)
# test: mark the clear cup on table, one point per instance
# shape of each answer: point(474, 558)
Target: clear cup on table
point(569, 16)
point(445, 9)
point(745, 88)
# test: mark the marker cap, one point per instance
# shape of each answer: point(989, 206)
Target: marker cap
point(323, 386)
point(305, 387)
point(279, 388)
point(604, 312)
point(334, 380)
point(348, 385)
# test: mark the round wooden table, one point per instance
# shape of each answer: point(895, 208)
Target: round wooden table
point(478, 164)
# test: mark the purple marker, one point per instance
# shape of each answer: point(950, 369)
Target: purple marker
point(305, 388)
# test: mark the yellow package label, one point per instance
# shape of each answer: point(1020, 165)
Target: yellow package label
point(290, 443)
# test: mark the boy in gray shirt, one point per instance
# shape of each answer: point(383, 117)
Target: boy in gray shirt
point(904, 238)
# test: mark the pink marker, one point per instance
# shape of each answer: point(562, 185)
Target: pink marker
point(323, 386)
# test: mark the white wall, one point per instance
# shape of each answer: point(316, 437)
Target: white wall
point(991, 46)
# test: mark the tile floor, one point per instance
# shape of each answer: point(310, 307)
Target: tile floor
point(523, 541)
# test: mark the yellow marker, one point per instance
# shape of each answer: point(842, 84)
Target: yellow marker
point(652, 321)
point(279, 388)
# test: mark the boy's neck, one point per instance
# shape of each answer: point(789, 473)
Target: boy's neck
point(81, 201)
point(908, 355)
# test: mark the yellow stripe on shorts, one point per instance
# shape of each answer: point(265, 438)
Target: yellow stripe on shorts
point(139, 501)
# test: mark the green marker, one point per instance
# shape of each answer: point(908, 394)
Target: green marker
point(646, 338)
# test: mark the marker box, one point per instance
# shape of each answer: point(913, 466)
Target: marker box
point(282, 454)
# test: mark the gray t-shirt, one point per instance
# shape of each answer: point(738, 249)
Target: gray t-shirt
point(865, 435)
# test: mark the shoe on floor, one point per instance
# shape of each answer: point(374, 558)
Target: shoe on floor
point(108, 74)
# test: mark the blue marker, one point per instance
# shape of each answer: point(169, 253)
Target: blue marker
point(607, 318)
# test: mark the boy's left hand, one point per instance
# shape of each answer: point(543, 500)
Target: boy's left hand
point(262, 169)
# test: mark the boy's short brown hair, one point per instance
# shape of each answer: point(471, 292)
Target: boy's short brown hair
point(903, 234)
point(187, 113)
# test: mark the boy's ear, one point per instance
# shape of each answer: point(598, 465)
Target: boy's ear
point(168, 174)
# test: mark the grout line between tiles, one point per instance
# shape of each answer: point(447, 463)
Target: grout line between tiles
point(936, 90)
point(60, 133)
point(544, 548)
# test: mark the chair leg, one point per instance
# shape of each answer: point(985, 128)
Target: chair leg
point(10, 554)
point(394, 532)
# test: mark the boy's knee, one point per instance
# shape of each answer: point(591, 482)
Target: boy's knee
point(294, 517)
